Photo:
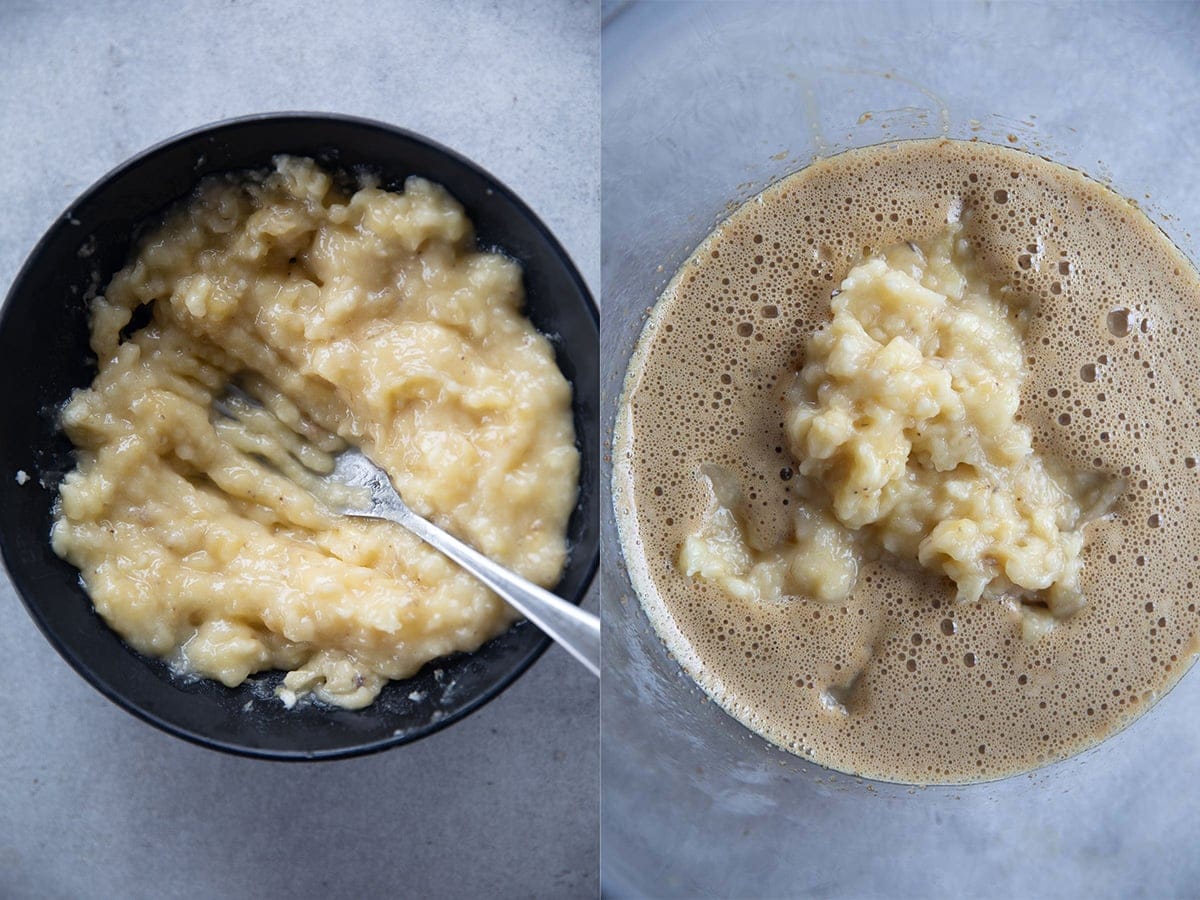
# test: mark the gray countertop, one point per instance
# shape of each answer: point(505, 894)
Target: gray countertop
point(95, 803)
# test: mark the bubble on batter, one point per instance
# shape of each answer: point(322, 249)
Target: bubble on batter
point(1118, 322)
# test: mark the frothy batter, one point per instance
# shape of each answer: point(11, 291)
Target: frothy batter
point(899, 681)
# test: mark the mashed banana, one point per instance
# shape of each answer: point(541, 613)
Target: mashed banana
point(904, 423)
point(367, 318)
point(820, 560)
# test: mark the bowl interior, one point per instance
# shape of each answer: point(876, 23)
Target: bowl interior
point(44, 355)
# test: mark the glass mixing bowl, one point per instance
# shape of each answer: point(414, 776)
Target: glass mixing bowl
point(704, 105)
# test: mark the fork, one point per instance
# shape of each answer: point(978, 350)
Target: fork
point(373, 496)
point(575, 630)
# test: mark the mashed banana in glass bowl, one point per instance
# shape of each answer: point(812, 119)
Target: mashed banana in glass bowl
point(904, 422)
point(904, 467)
point(362, 316)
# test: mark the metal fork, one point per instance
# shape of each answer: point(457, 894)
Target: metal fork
point(577, 631)
point(373, 496)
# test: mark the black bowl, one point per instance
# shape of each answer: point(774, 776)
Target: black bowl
point(44, 355)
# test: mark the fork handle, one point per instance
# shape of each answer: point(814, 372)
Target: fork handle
point(575, 630)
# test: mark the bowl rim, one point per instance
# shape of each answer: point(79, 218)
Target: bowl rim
point(64, 650)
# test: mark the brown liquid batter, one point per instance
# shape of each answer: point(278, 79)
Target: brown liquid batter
point(927, 690)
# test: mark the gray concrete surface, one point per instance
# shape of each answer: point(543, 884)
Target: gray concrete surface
point(93, 803)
